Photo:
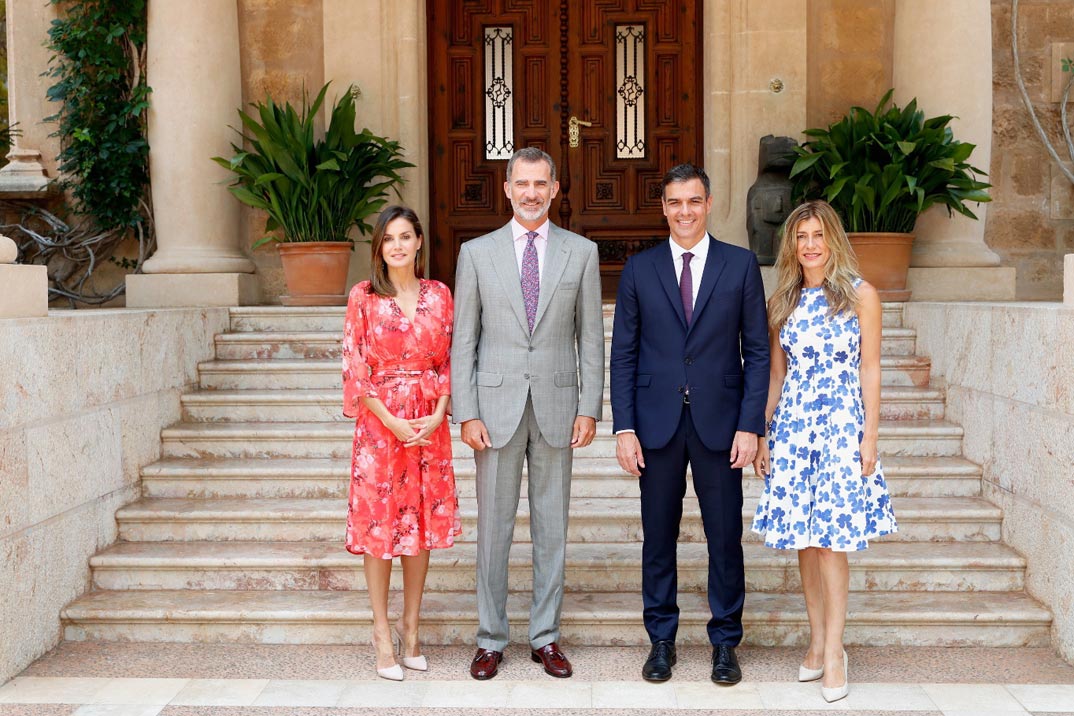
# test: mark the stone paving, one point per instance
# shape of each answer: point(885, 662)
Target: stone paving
point(99, 679)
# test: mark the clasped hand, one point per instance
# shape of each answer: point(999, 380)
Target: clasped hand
point(416, 431)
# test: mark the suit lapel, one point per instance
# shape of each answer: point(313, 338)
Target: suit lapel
point(665, 272)
point(714, 266)
point(506, 263)
point(556, 254)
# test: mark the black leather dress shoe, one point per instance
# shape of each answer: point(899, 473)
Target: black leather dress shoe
point(661, 659)
point(725, 668)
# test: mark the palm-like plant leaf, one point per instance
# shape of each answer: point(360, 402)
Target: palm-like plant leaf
point(312, 189)
point(881, 169)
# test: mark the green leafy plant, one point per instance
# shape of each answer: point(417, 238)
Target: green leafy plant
point(100, 85)
point(313, 189)
point(881, 169)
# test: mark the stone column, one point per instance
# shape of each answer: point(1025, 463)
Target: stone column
point(34, 151)
point(193, 68)
point(943, 57)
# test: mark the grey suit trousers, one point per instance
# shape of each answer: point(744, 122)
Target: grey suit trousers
point(499, 478)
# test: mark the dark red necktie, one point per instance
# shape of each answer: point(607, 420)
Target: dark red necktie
point(686, 288)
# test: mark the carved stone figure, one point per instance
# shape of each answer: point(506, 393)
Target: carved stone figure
point(769, 199)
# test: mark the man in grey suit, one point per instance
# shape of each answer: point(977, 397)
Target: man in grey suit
point(527, 374)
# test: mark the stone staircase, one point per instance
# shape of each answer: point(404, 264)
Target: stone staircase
point(238, 535)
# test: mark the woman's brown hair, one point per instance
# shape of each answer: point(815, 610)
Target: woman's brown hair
point(379, 283)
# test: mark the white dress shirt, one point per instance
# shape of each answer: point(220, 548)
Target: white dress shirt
point(518, 231)
point(697, 263)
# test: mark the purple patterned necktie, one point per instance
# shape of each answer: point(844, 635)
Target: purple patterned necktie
point(686, 288)
point(531, 279)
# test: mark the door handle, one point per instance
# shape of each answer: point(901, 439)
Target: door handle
point(573, 133)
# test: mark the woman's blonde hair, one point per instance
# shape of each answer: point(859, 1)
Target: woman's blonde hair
point(379, 283)
point(840, 272)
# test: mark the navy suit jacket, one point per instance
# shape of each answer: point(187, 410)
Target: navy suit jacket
point(722, 355)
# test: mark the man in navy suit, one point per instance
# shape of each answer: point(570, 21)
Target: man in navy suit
point(689, 380)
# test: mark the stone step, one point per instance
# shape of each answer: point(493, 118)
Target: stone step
point(291, 345)
point(335, 439)
point(210, 478)
point(325, 374)
point(296, 405)
point(343, 617)
point(592, 519)
point(591, 567)
point(330, 318)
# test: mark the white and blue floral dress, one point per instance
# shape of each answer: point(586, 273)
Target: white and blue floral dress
point(815, 494)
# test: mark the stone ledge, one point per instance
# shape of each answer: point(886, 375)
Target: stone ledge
point(25, 291)
point(962, 283)
point(164, 290)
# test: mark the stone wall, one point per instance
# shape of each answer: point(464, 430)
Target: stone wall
point(1009, 385)
point(83, 397)
point(1031, 219)
point(849, 61)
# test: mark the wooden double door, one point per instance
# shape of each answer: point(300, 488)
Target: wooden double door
point(622, 76)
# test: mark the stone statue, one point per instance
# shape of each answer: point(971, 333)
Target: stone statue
point(769, 199)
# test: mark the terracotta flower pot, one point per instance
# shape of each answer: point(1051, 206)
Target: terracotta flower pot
point(315, 272)
point(884, 261)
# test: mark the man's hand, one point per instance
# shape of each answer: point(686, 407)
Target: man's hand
point(744, 449)
point(584, 430)
point(475, 435)
point(628, 452)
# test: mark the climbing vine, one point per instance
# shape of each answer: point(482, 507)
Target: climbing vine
point(98, 68)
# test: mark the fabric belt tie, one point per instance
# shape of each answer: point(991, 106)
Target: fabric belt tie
point(427, 379)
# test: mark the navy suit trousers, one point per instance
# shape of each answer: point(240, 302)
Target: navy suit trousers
point(719, 494)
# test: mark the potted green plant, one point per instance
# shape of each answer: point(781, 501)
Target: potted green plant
point(315, 189)
point(880, 170)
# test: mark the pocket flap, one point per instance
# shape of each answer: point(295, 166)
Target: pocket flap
point(490, 380)
point(565, 378)
point(732, 381)
point(643, 380)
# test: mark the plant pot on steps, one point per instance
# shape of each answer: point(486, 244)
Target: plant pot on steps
point(884, 261)
point(315, 272)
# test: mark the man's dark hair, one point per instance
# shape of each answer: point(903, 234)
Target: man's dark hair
point(685, 172)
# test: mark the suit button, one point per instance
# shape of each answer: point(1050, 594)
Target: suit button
point(680, 388)
point(689, 361)
point(526, 376)
point(531, 349)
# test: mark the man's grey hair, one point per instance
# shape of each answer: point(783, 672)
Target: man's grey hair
point(530, 154)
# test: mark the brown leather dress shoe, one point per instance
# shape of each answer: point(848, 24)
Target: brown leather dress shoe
point(554, 661)
point(485, 664)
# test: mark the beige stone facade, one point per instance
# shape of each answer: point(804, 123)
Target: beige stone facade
point(1031, 220)
point(823, 55)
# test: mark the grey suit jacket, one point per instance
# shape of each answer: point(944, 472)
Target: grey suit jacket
point(496, 363)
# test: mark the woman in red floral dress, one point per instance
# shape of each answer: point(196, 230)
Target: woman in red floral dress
point(396, 382)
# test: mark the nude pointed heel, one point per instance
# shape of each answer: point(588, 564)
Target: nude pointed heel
point(838, 692)
point(415, 663)
point(391, 673)
point(807, 674)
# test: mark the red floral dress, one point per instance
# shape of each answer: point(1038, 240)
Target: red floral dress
point(402, 500)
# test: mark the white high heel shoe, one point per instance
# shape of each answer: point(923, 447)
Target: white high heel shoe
point(416, 663)
point(391, 673)
point(807, 674)
point(838, 692)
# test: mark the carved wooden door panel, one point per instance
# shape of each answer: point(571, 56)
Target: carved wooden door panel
point(505, 74)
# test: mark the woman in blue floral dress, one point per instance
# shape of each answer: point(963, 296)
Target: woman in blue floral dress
point(824, 492)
